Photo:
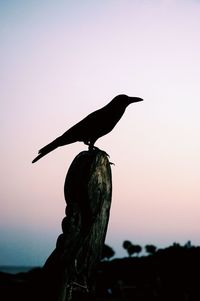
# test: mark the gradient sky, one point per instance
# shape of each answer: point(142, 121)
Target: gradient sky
point(59, 61)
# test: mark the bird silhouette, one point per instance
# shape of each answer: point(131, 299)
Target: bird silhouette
point(93, 126)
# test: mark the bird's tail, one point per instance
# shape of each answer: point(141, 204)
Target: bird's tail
point(46, 149)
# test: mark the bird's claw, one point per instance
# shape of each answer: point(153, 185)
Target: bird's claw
point(105, 153)
point(92, 147)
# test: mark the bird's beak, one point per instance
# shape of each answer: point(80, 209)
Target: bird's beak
point(134, 99)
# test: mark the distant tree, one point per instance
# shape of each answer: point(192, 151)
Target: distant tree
point(176, 245)
point(150, 249)
point(137, 249)
point(107, 252)
point(188, 245)
point(126, 245)
point(131, 249)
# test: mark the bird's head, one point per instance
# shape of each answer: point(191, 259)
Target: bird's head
point(126, 100)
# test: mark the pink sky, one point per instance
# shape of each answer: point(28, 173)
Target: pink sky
point(59, 62)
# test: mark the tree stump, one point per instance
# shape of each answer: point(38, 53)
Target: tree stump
point(69, 270)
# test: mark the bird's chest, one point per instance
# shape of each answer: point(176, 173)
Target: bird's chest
point(108, 122)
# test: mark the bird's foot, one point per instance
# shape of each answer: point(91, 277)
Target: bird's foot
point(91, 148)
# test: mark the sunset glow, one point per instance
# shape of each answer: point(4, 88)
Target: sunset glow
point(61, 60)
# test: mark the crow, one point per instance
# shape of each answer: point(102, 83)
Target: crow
point(93, 126)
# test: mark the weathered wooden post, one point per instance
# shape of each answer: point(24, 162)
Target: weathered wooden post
point(69, 270)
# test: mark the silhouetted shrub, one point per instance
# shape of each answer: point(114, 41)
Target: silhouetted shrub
point(107, 252)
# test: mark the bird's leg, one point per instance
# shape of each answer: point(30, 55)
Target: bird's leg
point(87, 143)
point(90, 145)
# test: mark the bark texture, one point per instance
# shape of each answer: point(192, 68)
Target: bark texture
point(69, 270)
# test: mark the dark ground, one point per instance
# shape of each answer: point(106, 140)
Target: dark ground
point(170, 274)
